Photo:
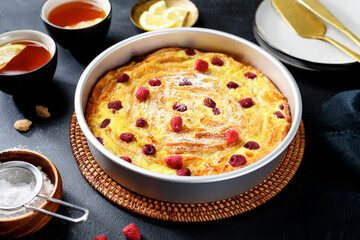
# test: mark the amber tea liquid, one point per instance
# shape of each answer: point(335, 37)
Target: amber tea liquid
point(75, 12)
point(32, 57)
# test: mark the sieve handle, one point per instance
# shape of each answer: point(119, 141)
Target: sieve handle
point(71, 219)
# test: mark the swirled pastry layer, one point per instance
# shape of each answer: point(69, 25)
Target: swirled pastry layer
point(187, 112)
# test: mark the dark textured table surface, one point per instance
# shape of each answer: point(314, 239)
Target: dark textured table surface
point(51, 137)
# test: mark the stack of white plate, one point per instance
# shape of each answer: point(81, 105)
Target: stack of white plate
point(274, 34)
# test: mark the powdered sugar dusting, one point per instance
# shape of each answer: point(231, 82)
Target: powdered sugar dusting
point(19, 148)
point(19, 191)
point(199, 80)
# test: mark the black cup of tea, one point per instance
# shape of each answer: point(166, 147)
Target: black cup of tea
point(76, 24)
point(30, 60)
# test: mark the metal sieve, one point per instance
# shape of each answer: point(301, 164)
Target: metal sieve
point(29, 173)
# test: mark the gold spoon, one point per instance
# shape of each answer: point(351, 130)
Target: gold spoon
point(306, 25)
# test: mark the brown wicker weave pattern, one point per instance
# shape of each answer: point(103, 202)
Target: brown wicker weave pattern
point(185, 212)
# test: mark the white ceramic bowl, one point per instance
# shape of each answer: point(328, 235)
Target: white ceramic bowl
point(177, 188)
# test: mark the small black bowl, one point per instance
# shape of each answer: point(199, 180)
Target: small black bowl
point(26, 82)
point(80, 38)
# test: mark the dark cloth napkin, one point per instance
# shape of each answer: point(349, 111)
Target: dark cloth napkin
point(338, 129)
point(329, 206)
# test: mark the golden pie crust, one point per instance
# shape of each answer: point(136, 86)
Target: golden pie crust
point(202, 141)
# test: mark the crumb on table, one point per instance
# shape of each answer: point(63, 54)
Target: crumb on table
point(22, 125)
point(42, 111)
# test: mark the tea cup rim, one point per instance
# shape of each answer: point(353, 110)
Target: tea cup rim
point(106, 5)
point(29, 35)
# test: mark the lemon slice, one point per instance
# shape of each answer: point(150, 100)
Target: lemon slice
point(8, 52)
point(158, 8)
point(151, 22)
point(84, 24)
point(177, 14)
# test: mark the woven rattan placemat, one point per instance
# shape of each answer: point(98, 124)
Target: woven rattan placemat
point(185, 212)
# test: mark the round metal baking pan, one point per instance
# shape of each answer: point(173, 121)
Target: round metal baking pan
point(176, 188)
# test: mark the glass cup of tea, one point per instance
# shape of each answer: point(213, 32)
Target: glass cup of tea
point(77, 24)
point(28, 60)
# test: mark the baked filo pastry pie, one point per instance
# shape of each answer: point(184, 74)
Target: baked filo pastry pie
point(187, 112)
